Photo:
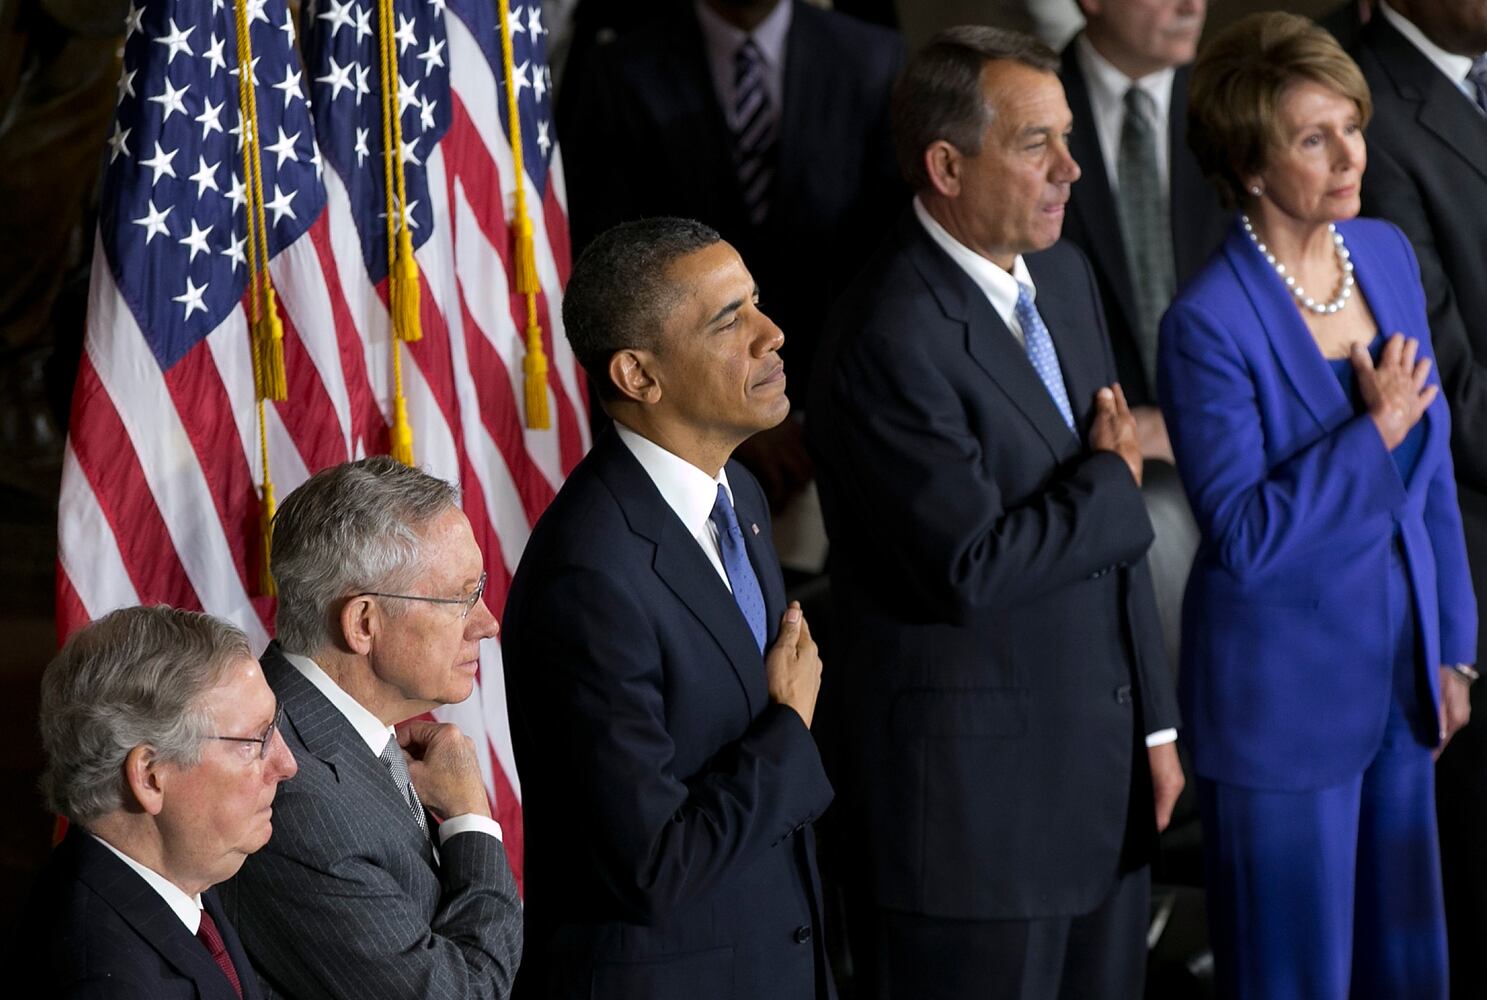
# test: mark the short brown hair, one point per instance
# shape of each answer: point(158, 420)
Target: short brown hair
point(1237, 84)
point(939, 94)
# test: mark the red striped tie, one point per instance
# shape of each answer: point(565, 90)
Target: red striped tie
point(212, 938)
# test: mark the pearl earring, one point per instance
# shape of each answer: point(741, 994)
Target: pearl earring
point(1255, 190)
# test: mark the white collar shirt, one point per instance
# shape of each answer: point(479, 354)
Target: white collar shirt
point(687, 490)
point(722, 40)
point(1107, 96)
point(1453, 66)
point(999, 286)
point(188, 908)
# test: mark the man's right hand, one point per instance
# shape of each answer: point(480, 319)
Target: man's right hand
point(792, 666)
point(1114, 428)
point(444, 768)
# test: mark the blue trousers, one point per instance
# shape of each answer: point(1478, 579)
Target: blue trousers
point(1334, 892)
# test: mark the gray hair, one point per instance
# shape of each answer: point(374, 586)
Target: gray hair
point(135, 677)
point(938, 97)
point(350, 528)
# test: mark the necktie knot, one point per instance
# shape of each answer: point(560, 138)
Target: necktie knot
point(1140, 105)
point(736, 564)
point(211, 936)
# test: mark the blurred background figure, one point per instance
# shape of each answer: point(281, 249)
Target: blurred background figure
point(163, 753)
point(1330, 623)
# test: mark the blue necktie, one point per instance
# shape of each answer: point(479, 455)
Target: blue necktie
point(736, 563)
point(1041, 353)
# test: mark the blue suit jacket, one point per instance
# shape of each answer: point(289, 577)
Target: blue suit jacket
point(666, 798)
point(1287, 663)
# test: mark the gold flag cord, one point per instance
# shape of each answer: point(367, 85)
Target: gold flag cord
point(402, 268)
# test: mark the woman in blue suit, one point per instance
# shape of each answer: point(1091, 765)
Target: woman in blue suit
point(1329, 622)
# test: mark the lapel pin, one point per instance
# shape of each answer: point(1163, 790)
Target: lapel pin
point(755, 527)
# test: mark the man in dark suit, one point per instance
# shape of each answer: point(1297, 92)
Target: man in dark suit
point(1147, 219)
point(661, 693)
point(766, 119)
point(163, 753)
point(362, 893)
point(1427, 173)
point(1008, 704)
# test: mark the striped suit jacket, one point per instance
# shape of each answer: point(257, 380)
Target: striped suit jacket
point(349, 900)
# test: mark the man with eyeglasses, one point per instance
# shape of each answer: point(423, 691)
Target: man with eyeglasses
point(163, 753)
point(387, 877)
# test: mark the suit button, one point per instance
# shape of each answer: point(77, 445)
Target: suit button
point(1099, 573)
point(1123, 694)
point(802, 934)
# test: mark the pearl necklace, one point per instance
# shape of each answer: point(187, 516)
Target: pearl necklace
point(1344, 290)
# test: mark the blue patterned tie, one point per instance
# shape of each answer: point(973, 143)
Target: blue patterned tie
point(736, 563)
point(1478, 75)
point(1041, 353)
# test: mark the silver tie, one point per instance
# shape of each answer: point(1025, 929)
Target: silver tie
point(397, 766)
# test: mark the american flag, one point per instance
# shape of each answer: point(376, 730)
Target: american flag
point(159, 494)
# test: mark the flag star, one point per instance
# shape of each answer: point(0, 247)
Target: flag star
point(192, 298)
point(216, 6)
point(284, 148)
point(426, 113)
point(363, 22)
point(407, 95)
point(517, 28)
point(132, 20)
point(519, 75)
point(238, 193)
point(126, 83)
point(256, 11)
point(237, 130)
point(119, 141)
point(288, 26)
point(362, 89)
point(175, 42)
point(205, 177)
point(438, 6)
point(406, 154)
point(160, 163)
point(315, 157)
point(534, 21)
point(361, 146)
point(214, 55)
point(430, 56)
point(539, 83)
point(397, 220)
point(170, 99)
point(405, 34)
point(234, 253)
point(196, 240)
point(544, 143)
point(154, 222)
point(339, 77)
point(290, 86)
point(210, 118)
point(253, 68)
point(280, 205)
point(339, 16)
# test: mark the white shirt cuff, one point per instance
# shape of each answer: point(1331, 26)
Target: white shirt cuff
point(1156, 739)
point(455, 825)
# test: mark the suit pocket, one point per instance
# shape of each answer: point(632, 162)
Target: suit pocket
point(698, 974)
point(975, 712)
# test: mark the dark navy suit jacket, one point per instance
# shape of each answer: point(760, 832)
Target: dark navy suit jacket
point(999, 657)
point(1287, 665)
point(95, 930)
point(667, 800)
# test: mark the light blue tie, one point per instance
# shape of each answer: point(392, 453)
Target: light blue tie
point(1041, 353)
point(736, 563)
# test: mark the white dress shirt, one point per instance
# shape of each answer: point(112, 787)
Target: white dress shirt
point(1455, 67)
point(1000, 289)
point(374, 734)
point(188, 908)
point(722, 40)
point(1107, 96)
point(687, 490)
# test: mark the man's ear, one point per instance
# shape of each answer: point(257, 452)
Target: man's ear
point(145, 777)
point(359, 622)
point(632, 371)
point(943, 165)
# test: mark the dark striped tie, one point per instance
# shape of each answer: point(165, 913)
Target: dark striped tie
point(754, 131)
point(1478, 76)
point(1145, 224)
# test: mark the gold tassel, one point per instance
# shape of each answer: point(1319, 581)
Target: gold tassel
point(266, 509)
point(534, 366)
point(271, 343)
point(526, 254)
point(404, 291)
point(401, 433)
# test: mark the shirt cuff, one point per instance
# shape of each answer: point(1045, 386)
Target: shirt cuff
point(1161, 737)
point(455, 825)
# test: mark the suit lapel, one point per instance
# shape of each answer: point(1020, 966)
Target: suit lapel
point(680, 563)
point(1443, 109)
point(987, 339)
point(153, 920)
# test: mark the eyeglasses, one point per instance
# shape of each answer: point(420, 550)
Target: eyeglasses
point(466, 604)
point(262, 741)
